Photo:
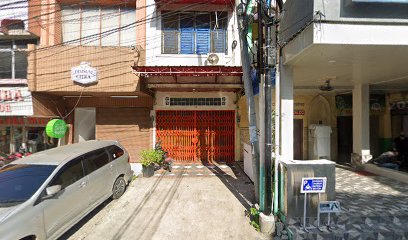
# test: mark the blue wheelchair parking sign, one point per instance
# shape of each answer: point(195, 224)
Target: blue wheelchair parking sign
point(313, 185)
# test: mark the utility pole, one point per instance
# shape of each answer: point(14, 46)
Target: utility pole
point(246, 69)
point(262, 127)
point(275, 202)
point(270, 64)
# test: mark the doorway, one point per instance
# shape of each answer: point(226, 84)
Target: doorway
point(298, 139)
point(84, 125)
point(344, 138)
point(197, 136)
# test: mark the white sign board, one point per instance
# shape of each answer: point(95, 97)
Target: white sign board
point(84, 74)
point(313, 185)
point(329, 207)
point(15, 101)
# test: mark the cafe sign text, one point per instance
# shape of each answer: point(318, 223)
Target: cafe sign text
point(84, 74)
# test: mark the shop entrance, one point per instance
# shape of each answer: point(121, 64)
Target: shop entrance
point(84, 126)
point(344, 138)
point(197, 136)
point(298, 139)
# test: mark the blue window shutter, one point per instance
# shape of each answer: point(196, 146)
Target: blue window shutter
point(187, 41)
point(186, 34)
point(203, 41)
point(219, 40)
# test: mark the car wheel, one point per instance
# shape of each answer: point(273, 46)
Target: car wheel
point(119, 188)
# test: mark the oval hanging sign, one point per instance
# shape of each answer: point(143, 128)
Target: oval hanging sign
point(56, 128)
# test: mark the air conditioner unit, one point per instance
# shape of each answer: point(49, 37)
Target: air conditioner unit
point(215, 59)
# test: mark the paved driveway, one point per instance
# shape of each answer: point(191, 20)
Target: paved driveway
point(194, 202)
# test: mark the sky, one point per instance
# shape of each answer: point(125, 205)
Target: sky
point(15, 11)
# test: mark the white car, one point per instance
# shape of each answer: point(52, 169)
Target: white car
point(45, 194)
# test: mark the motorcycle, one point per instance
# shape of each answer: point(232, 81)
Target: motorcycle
point(166, 161)
point(6, 159)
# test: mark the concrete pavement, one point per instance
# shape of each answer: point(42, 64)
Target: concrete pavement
point(193, 202)
point(373, 207)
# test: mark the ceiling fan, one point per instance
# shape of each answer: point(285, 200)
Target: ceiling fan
point(326, 86)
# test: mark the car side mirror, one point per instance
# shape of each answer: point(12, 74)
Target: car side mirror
point(52, 190)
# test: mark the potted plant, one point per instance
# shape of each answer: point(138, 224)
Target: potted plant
point(149, 159)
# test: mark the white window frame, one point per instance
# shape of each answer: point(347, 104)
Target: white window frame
point(13, 51)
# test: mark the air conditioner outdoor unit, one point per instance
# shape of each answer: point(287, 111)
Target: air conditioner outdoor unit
point(215, 59)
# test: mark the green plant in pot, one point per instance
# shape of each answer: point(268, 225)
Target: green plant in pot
point(149, 159)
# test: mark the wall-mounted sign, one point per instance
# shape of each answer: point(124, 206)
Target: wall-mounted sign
point(84, 74)
point(298, 112)
point(56, 128)
point(17, 121)
point(344, 104)
point(15, 101)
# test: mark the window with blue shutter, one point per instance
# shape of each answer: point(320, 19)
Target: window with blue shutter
point(187, 34)
point(203, 33)
point(194, 32)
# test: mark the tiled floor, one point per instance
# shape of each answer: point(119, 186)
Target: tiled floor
point(373, 207)
point(200, 170)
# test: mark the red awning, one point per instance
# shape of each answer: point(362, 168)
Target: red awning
point(196, 71)
point(218, 2)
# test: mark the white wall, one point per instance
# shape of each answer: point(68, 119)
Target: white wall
point(153, 44)
point(231, 99)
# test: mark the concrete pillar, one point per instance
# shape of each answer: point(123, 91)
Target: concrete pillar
point(286, 92)
point(361, 123)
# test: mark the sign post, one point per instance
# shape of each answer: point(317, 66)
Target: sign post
point(329, 207)
point(312, 185)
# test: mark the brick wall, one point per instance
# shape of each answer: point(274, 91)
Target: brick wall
point(50, 68)
point(131, 126)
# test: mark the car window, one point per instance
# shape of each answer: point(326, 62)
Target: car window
point(95, 160)
point(115, 151)
point(18, 182)
point(71, 173)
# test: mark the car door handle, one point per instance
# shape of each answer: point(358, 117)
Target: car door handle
point(111, 165)
point(82, 184)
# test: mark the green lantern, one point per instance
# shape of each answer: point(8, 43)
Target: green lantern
point(56, 128)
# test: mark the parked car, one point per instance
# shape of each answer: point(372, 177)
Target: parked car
point(45, 194)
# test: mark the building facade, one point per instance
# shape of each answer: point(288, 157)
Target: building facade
point(84, 61)
point(22, 123)
point(193, 71)
point(359, 48)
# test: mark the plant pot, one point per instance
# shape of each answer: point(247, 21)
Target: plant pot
point(148, 171)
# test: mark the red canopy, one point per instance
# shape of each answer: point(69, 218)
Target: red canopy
point(218, 2)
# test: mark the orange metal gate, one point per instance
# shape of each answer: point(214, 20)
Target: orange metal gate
point(192, 136)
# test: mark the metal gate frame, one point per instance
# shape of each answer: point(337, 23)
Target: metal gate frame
point(206, 136)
